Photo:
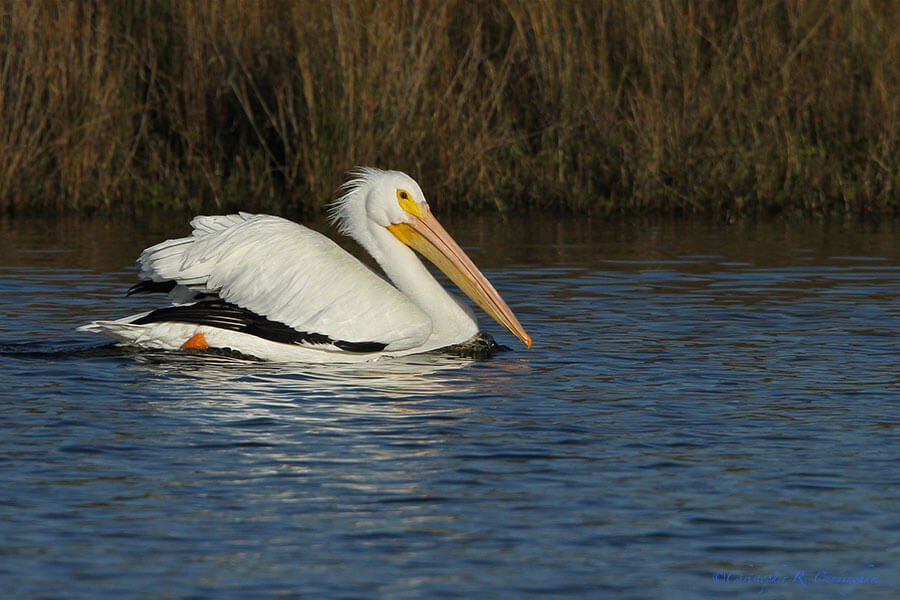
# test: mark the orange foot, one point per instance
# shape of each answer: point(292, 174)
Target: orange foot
point(197, 342)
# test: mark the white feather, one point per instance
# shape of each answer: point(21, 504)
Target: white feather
point(291, 274)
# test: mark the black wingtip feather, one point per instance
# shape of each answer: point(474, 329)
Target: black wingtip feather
point(224, 315)
point(150, 287)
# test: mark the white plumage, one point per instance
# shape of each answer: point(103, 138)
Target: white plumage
point(271, 288)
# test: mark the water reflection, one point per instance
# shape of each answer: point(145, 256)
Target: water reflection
point(237, 380)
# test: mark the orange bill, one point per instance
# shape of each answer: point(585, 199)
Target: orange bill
point(426, 236)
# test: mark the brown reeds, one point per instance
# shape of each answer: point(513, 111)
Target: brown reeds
point(696, 106)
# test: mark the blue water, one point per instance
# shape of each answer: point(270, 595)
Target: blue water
point(704, 406)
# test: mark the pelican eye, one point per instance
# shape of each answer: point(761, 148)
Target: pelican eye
point(407, 203)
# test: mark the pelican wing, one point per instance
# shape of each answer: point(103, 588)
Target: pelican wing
point(286, 274)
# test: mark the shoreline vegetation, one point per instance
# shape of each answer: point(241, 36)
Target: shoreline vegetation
point(723, 109)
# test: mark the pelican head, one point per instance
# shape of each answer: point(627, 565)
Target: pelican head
point(390, 200)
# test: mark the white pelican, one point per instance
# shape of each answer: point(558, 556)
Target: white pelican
point(270, 288)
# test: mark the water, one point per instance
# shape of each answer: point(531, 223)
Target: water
point(703, 407)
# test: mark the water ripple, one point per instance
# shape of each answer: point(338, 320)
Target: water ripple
point(697, 400)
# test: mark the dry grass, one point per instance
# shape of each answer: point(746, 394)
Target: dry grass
point(687, 106)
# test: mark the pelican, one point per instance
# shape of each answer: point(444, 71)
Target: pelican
point(267, 287)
